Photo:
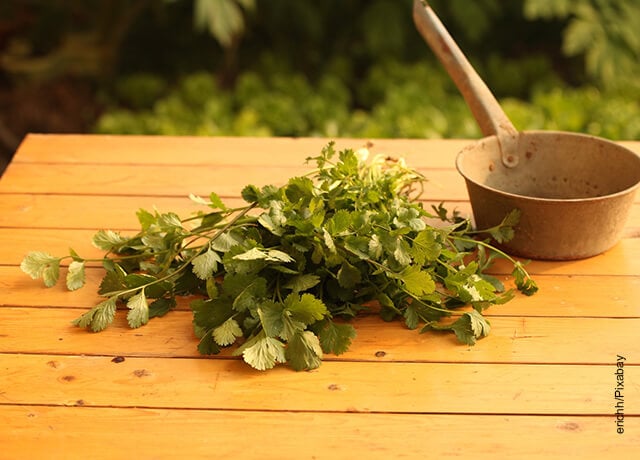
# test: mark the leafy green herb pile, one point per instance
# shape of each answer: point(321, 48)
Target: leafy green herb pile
point(281, 274)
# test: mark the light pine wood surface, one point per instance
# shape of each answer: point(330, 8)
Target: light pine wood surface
point(542, 385)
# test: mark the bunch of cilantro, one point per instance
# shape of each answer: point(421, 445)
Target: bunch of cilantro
point(280, 275)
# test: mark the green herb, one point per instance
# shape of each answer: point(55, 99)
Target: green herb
point(282, 275)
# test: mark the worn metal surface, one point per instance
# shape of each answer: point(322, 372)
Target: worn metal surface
point(574, 191)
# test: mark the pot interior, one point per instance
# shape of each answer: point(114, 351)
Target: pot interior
point(553, 165)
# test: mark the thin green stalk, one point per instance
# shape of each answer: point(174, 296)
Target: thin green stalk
point(186, 263)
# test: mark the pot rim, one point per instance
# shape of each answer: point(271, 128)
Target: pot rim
point(466, 150)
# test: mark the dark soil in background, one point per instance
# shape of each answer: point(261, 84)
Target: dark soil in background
point(61, 106)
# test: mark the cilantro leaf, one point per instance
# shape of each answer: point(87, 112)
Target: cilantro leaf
point(290, 326)
point(305, 308)
point(161, 306)
point(336, 338)
point(476, 289)
point(223, 242)
point(99, 317)
point(252, 292)
point(262, 352)
point(39, 264)
point(524, 282)
point(138, 310)
point(411, 316)
point(206, 264)
point(339, 223)
point(251, 254)
point(209, 314)
point(75, 275)
point(113, 280)
point(216, 202)
point(153, 287)
point(348, 275)
point(401, 253)
point(303, 282)
point(275, 255)
point(505, 231)
point(298, 189)
point(271, 318)
point(468, 328)
point(375, 247)
point(328, 241)
point(207, 344)
point(303, 351)
point(108, 240)
point(227, 332)
point(417, 282)
point(425, 247)
point(145, 218)
point(250, 193)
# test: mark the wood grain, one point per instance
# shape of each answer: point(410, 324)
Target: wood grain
point(69, 432)
point(515, 339)
point(152, 180)
point(24, 210)
point(107, 149)
point(540, 386)
point(507, 389)
point(622, 260)
point(197, 151)
point(589, 296)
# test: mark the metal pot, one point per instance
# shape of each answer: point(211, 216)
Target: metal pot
point(574, 191)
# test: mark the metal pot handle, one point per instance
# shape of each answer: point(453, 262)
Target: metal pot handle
point(483, 104)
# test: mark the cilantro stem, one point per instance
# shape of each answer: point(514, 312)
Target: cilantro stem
point(186, 263)
point(516, 264)
point(226, 212)
point(486, 245)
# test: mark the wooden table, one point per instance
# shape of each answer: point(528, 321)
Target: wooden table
point(542, 384)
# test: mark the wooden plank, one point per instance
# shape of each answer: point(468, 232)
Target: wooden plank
point(83, 211)
point(623, 259)
point(149, 180)
point(576, 296)
point(512, 339)
point(16, 243)
point(89, 212)
point(590, 296)
point(20, 290)
point(97, 148)
point(553, 354)
point(71, 432)
point(97, 381)
point(186, 150)
point(179, 181)
point(118, 212)
point(125, 180)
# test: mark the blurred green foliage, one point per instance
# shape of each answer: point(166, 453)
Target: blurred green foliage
point(605, 32)
point(341, 67)
point(403, 101)
point(358, 69)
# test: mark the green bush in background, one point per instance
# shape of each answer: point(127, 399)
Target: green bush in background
point(335, 67)
point(406, 101)
point(359, 69)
